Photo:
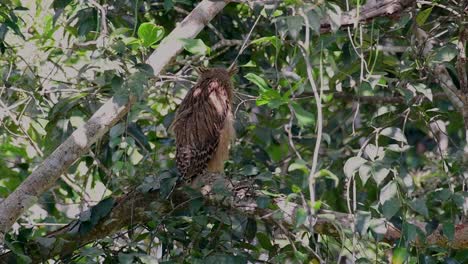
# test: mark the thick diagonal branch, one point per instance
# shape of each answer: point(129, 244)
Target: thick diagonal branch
point(46, 174)
point(81, 140)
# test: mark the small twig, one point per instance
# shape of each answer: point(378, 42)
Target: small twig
point(355, 117)
point(87, 44)
point(18, 124)
point(241, 103)
point(287, 234)
point(449, 87)
point(100, 165)
point(185, 12)
point(305, 52)
point(246, 40)
point(461, 61)
point(77, 188)
point(49, 224)
point(227, 43)
point(451, 10)
point(103, 12)
point(287, 128)
point(374, 99)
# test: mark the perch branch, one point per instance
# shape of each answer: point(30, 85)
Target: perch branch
point(46, 174)
point(131, 209)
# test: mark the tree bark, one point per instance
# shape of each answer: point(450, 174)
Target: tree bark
point(370, 10)
point(81, 140)
point(132, 209)
point(46, 174)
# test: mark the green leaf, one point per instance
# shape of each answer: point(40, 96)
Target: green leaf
point(300, 257)
point(301, 216)
point(58, 4)
point(391, 207)
point(410, 232)
point(363, 222)
point(314, 17)
point(399, 255)
point(102, 209)
point(458, 199)
point(419, 206)
point(224, 258)
point(364, 173)
point(195, 46)
point(87, 21)
point(38, 128)
point(250, 229)
point(379, 227)
point(249, 170)
point(263, 201)
point(250, 64)
point(445, 53)
point(125, 258)
point(168, 5)
point(374, 152)
point(296, 189)
point(117, 130)
point(150, 33)
point(264, 241)
point(299, 165)
point(379, 173)
point(45, 242)
point(352, 165)
point(449, 230)
point(394, 133)
point(257, 80)
point(304, 118)
point(442, 194)
point(62, 108)
point(271, 97)
point(137, 133)
point(388, 192)
point(273, 40)
point(92, 252)
point(422, 16)
point(294, 24)
point(334, 13)
point(324, 173)
point(423, 89)
point(389, 200)
point(397, 148)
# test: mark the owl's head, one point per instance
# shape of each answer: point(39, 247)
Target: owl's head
point(216, 73)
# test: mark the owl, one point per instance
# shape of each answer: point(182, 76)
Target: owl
point(203, 124)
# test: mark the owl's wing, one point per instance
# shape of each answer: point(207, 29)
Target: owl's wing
point(197, 127)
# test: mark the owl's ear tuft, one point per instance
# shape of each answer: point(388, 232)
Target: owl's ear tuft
point(201, 70)
point(232, 70)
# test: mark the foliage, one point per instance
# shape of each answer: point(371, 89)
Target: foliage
point(380, 162)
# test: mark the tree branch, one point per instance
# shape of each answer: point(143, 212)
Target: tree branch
point(368, 11)
point(46, 174)
point(132, 209)
point(374, 99)
point(81, 140)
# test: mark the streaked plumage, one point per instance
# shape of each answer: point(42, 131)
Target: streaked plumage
point(203, 125)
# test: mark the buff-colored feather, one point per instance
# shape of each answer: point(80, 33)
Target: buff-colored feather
point(203, 125)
